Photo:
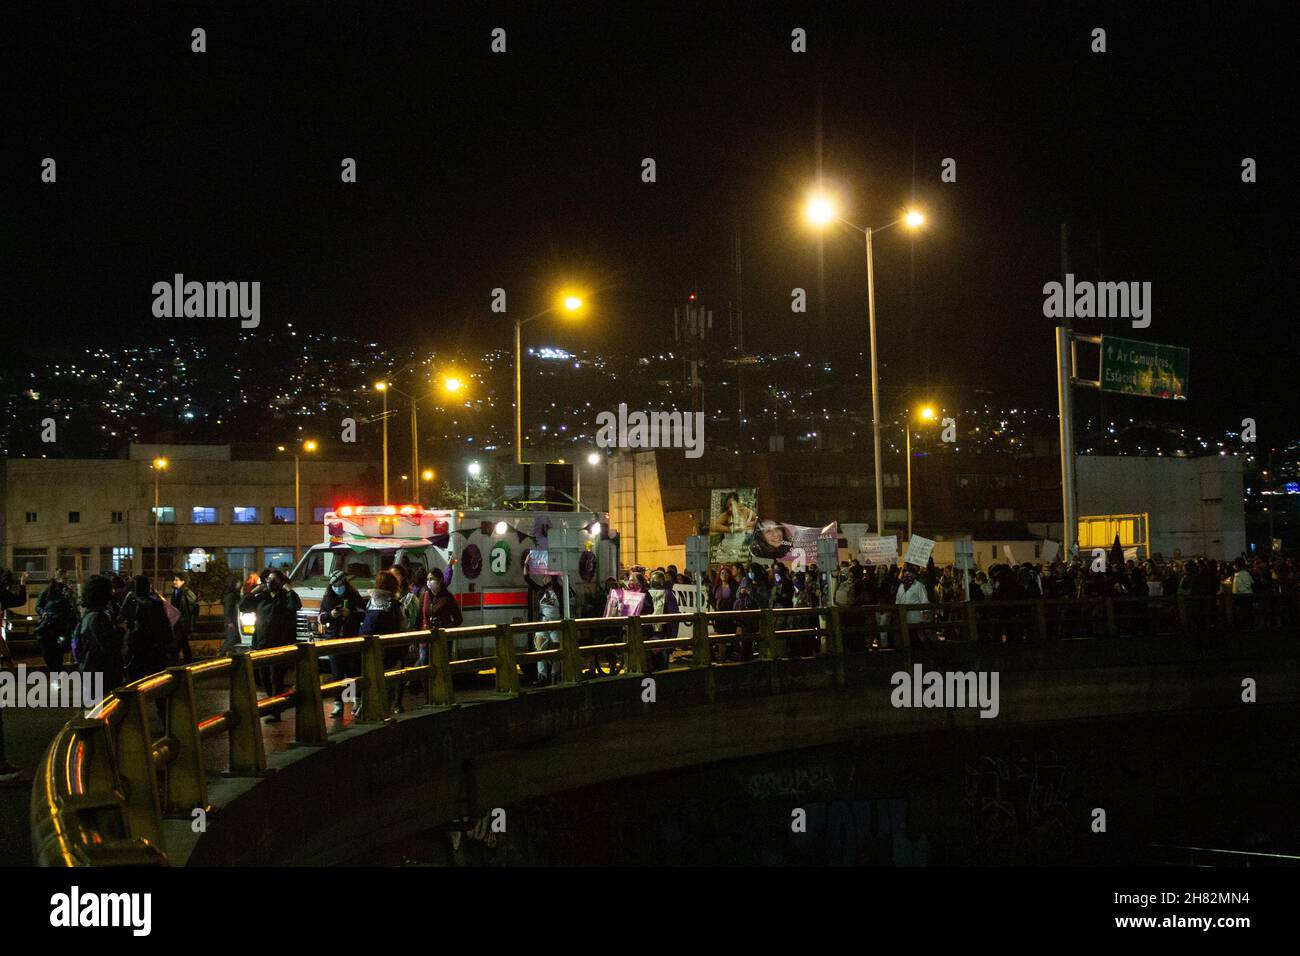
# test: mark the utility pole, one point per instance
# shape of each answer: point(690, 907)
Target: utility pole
point(1065, 413)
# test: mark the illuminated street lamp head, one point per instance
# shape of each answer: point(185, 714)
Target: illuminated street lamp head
point(475, 468)
point(381, 386)
point(160, 463)
point(914, 219)
point(309, 445)
point(593, 459)
point(452, 384)
point(927, 412)
point(427, 474)
point(572, 303)
point(820, 210)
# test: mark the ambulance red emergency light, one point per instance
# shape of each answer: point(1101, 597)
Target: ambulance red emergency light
point(486, 550)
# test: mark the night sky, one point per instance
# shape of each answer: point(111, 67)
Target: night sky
point(479, 170)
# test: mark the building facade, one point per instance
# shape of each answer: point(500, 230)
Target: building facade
point(91, 516)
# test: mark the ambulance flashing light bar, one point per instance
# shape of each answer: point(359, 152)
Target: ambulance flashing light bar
point(361, 511)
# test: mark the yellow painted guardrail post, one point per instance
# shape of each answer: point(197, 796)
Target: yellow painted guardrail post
point(834, 634)
point(374, 696)
point(701, 647)
point(137, 769)
point(1040, 618)
point(637, 661)
point(247, 751)
point(441, 691)
point(570, 655)
point(507, 668)
point(308, 705)
point(187, 784)
point(766, 635)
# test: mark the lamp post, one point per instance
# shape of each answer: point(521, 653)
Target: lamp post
point(592, 459)
point(569, 302)
point(821, 211)
point(159, 464)
point(308, 445)
point(472, 471)
point(927, 414)
point(382, 388)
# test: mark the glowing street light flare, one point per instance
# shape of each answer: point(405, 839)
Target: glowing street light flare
point(914, 219)
point(819, 211)
point(572, 303)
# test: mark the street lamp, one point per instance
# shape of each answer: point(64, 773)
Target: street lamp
point(592, 459)
point(821, 211)
point(382, 388)
point(473, 471)
point(159, 465)
point(926, 414)
point(570, 302)
point(309, 445)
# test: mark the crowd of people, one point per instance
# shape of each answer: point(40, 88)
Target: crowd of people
point(117, 629)
point(748, 586)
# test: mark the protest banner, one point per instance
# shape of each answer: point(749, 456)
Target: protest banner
point(919, 550)
point(877, 550)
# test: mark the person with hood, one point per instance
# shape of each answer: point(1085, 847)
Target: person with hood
point(56, 608)
point(98, 638)
point(342, 610)
point(550, 607)
point(187, 605)
point(148, 635)
point(275, 606)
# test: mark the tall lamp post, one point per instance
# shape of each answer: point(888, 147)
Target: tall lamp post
point(569, 302)
point(452, 385)
point(382, 388)
point(309, 445)
point(159, 465)
point(926, 413)
point(593, 459)
point(821, 212)
point(472, 471)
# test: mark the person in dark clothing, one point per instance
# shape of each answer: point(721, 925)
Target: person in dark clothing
point(148, 632)
point(57, 609)
point(13, 593)
point(342, 610)
point(230, 598)
point(276, 607)
point(99, 639)
point(187, 603)
point(121, 588)
point(384, 615)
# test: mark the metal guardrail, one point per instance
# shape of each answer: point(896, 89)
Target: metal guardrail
point(107, 784)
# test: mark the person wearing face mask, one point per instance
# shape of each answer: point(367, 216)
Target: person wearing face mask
point(275, 606)
point(912, 591)
point(341, 611)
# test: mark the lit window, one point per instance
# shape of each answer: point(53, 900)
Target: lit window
point(244, 516)
point(281, 516)
point(201, 515)
point(164, 515)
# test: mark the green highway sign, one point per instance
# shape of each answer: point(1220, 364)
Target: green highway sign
point(1143, 368)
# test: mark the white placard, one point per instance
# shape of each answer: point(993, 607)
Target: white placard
point(918, 551)
point(1011, 558)
point(878, 550)
point(1050, 550)
point(964, 554)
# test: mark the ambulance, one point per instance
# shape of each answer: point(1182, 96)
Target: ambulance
point(499, 559)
